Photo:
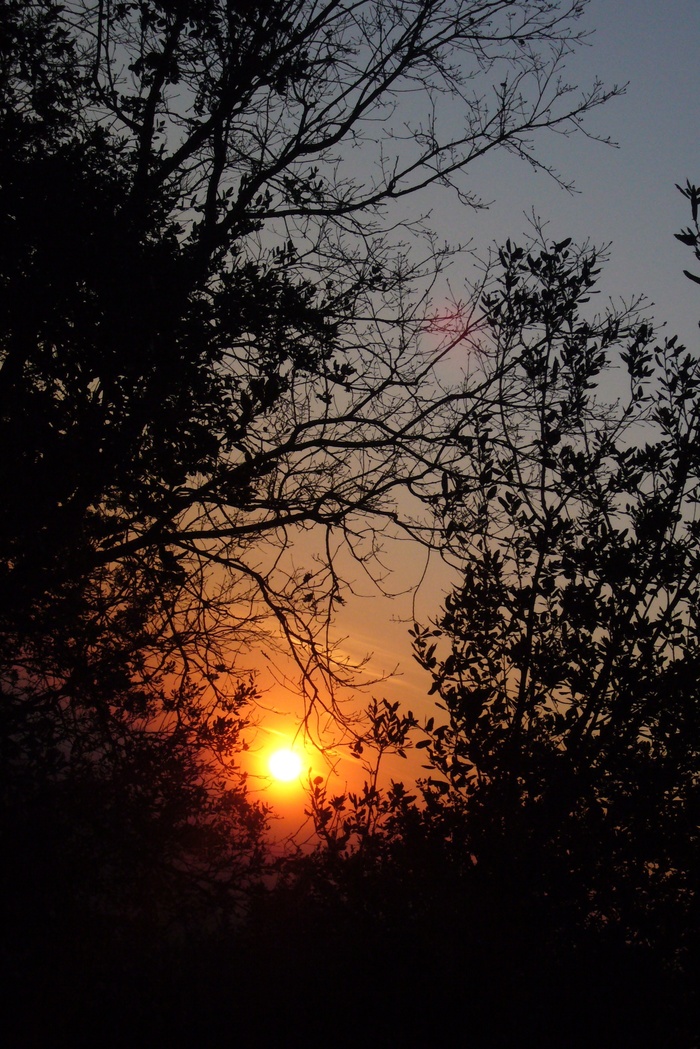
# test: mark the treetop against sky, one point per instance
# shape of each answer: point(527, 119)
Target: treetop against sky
point(252, 383)
point(227, 349)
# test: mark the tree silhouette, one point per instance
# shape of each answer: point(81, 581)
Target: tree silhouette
point(209, 349)
point(542, 878)
point(567, 658)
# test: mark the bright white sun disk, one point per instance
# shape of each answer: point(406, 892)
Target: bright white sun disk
point(285, 765)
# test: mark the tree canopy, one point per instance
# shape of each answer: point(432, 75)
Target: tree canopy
point(214, 384)
point(549, 855)
point(209, 338)
point(209, 341)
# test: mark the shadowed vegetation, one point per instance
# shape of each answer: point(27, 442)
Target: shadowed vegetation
point(215, 389)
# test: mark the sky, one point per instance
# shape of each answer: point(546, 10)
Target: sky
point(625, 196)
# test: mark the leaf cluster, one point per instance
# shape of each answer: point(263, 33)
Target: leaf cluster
point(567, 657)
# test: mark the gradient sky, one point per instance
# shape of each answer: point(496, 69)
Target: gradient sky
point(625, 196)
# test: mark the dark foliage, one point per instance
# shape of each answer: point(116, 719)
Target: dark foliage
point(541, 886)
point(111, 802)
point(570, 676)
point(196, 369)
point(208, 347)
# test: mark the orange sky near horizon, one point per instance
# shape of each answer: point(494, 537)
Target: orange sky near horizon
point(371, 628)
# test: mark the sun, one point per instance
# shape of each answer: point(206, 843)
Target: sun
point(285, 765)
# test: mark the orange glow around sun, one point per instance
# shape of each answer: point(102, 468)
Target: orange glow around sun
point(285, 765)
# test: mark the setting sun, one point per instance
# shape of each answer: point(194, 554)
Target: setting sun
point(285, 765)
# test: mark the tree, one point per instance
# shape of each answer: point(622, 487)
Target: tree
point(221, 398)
point(209, 350)
point(567, 657)
point(549, 857)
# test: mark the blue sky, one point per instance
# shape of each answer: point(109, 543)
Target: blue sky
point(625, 195)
